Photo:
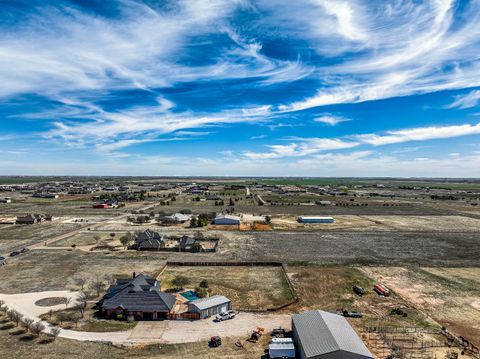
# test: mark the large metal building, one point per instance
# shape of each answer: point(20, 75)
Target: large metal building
point(207, 307)
point(227, 219)
point(318, 334)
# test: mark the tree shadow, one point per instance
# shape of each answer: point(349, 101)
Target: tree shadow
point(17, 332)
point(46, 341)
point(27, 338)
point(7, 326)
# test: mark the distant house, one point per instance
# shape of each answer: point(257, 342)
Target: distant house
point(227, 219)
point(139, 298)
point(312, 219)
point(45, 195)
point(179, 217)
point(187, 244)
point(5, 200)
point(149, 241)
point(30, 219)
point(206, 307)
point(318, 334)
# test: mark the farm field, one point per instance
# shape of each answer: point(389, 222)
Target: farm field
point(247, 287)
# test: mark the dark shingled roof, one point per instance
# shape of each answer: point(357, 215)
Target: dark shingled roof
point(140, 294)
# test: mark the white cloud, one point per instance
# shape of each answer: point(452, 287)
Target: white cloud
point(469, 100)
point(310, 146)
point(419, 134)
point(305, 147)
point(406, 48)
point(331, 120)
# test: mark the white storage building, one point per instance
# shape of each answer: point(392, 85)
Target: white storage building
point(227, 219)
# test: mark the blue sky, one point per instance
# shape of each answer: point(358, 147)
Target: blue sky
point(240, 87)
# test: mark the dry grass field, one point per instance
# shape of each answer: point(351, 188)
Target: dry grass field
point(247, 287)
point(451, 296)
point(382, 223)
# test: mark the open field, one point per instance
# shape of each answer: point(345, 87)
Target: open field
point(383, 223)
point(17, 236)
point(448, 295)
point(247, 287)
point(349, 247)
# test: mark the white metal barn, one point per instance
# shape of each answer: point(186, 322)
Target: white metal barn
point(227, 219)
point(207, 307)
point(322, 335)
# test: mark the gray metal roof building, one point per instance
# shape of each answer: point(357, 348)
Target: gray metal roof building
point(207, 307)
point(320, 334)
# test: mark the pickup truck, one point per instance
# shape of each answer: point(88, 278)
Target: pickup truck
point(225, 316)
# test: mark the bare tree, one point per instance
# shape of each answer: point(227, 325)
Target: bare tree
point(80, 281)
point(82, 303)
point(27, 323)
point(15, 316)
point(67, 301)
point(75, 319)
point(55, 332)
point(125, 240)
point(3, 307)
point(37, 328)
point(98, 286)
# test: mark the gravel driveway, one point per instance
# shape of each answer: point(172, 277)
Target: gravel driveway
point(179, 331)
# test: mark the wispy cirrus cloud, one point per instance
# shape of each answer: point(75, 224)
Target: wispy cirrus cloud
point(309, 146)
point(419, 134)
point(406, 48)
point(469, 100)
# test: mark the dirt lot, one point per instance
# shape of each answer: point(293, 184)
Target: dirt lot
point(247, 287)
point(451, 296)
point(400, 247)
point(383, 223)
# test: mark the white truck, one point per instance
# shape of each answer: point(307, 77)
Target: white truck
point(230, 314)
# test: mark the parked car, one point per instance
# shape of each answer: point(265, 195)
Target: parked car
point(3, 261)
point(358, 290)
point(225, 315)
point(14, 253)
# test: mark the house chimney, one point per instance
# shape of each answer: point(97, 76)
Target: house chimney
point(134, 275)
